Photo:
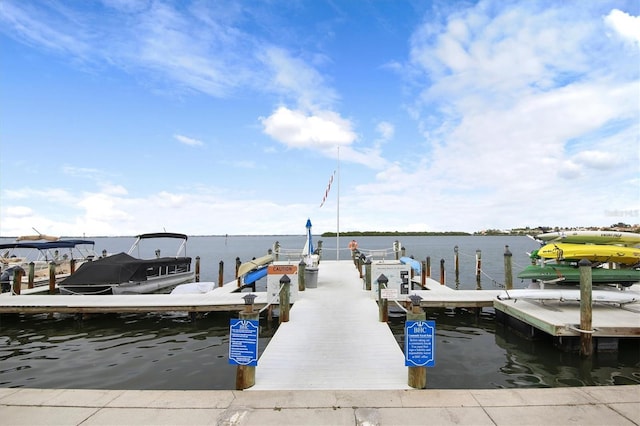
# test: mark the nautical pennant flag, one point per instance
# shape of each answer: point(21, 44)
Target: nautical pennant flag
point(326, 193)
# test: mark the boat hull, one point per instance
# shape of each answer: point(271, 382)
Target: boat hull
point(151, 285)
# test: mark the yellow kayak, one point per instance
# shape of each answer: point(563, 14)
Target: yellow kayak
point(592, 252)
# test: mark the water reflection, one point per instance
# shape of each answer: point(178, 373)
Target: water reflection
point(118, 352)
point(473, 352)
point(170, 351)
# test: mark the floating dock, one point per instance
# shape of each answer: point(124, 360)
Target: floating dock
point(226, 298)
point(562, 318)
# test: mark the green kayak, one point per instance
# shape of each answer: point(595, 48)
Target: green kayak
point(571, 274)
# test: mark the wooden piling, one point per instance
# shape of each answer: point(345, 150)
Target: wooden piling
point(478, 270)
point(32, 274)
point(586, 340)
point(197, 269)
point(285, 293)
point(383, 303)
point(442, 276)
point(456, 265)
point(367, 274)
point(17, 280)
point(423, 275)
point(417, 376)
point(246, 374)
point(72, 266)
point(221, 274)
point(52, 277)
point(238, 263)
point(508, 274)
point(301, 268)
point(428, 268)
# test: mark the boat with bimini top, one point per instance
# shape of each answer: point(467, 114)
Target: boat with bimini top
point(123, 273)
point(30, 252)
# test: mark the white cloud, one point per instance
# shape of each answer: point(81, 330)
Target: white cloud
point(386, 130)
point(322, 131)
point(295, 78)
point(625, 25)
point(188, 141)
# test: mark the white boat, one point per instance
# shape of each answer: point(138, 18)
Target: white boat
point(194, 288)
point(604, 296)
point(124, 274)
point(28, 250)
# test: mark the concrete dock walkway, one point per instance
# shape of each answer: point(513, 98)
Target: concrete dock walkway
point(603, 405)
point(334, 340)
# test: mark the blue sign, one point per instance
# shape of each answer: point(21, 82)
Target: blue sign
point(243, 342)
point(420, 343)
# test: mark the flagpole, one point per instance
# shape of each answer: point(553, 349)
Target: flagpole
point(338, 212)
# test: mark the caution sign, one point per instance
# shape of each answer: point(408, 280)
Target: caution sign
point(282, 269)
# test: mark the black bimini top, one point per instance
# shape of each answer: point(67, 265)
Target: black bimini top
point(118, 268)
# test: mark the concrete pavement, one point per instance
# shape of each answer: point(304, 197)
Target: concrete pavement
point(610, 405)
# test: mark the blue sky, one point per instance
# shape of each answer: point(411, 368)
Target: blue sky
point(120, 117)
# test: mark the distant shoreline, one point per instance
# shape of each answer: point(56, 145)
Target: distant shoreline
point(521, 232)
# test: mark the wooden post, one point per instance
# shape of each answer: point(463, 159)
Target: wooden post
point(246, 374)
point(383, 303)
point(197, 269)
point(285, 292)
point(319, 250)
point(456, 265)
point(478, 269)
point(276, 250)
point(359, 266)
point(423, 275)
point(417, 376)
point(508, 275)
point(428, 267)
point(403, 251)
point(586, 340)
point(301, 267)
point(32, 274)
point(220, 274)
point(442, 276)
point(52, 277)
point(72, 266)
point(238, 263)
point(17, 280)
point(367, 274)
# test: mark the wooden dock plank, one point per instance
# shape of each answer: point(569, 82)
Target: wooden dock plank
point(333, 340)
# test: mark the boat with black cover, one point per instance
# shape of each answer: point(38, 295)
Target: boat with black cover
point(123, 273)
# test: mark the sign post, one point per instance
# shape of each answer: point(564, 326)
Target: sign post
point(419, 344)
point(243, 344)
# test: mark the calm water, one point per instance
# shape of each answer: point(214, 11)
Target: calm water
point(171, 352)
